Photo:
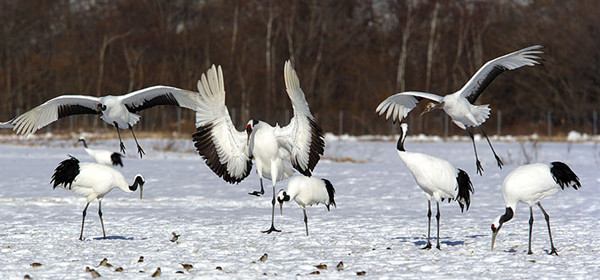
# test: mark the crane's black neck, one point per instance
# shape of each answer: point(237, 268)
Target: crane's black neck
point(84, 143)
point(137, 182)
point(400, 144)
point(507, 215)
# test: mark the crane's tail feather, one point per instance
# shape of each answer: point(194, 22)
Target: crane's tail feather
point(65, 173)
point(330, 192)
point(465, 188)
point(564, 176)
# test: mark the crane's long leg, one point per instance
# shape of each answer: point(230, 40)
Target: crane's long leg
point(83, 220)
point(305, 220)
point(498, 160)
point(140, 150)
point(477, 162)
point(530, 228)
point(272, 229)
point(121, 145)
point(428, 246)
point(553, 251)
point(262, 190)
point(438, 225)
point(100, 215)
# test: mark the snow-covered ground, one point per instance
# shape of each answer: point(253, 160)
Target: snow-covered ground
point(378, 226)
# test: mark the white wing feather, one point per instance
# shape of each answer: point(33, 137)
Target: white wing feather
point(223, 147)
point(42, 115)
point(302, 137)
point(399, 105)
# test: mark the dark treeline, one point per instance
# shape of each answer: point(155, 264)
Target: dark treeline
point(349, 54)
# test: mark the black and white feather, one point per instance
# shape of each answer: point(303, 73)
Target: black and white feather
point(103, 156)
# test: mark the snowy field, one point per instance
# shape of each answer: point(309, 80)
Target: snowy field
point(378, 226)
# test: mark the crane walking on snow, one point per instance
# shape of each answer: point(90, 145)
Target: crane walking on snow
point(438, 178)
point(92, 180)
point(530, 184)
point(103, 156)
point(460, 104)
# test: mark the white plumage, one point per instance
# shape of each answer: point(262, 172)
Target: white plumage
point(460, 104)
point(103, 156)
point(229, 152)
point(529, 184)
point(118, 111)
point(93, 181)
point(306, 191)
point(438, 178)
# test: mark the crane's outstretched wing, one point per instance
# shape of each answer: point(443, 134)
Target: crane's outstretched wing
point(52, 110)
point(488, 72)
point(302, 137)
point(398, 105)
point(159, 95)
point(224, 149)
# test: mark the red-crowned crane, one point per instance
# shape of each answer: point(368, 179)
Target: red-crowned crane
point(306, 191)
point(119, 111)
point(460, 104)
point(94, 181)
point(529, 184)
point(438, 178)
point(229, 152)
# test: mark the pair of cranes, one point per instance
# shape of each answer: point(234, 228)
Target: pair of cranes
point(229, 153)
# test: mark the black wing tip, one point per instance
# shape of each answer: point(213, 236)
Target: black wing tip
point(465, 188)
point(116, 159)
point(65, 172)
point(202, 139)
point(166, 98)
point(564, 176)
point(330, 192)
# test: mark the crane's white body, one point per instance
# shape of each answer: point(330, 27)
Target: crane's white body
point(95, 180)
point(435, 176)
point(307, 191)
point(528, 184)
point(100, 156)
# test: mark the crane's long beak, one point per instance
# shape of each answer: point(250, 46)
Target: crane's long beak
point(141, 190)
point(494, 238)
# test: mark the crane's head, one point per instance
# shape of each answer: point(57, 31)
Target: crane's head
point(281, 198)
point(81, 139)
point(138, 181)
point(496, 225)
point(250, 126)
point(432, 106)
point(101, 107)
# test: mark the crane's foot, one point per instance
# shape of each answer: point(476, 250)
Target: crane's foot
point(530, 252)
point(272, 229)
point(438, 247)
point(257, 193)
point(427, 247)
point(140, 151)
point(122, 146)
point(499, 162)
point(479, 167)
point(553, 252)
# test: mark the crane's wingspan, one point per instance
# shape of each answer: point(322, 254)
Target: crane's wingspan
point(488, 72)
point(224, 149)
point(398, 105)
point(302, 137)
point(52, 110)
point(159, 95)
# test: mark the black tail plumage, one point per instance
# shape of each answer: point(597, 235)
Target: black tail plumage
point(564, 176)
point(465, 188)
point(330, 192)
point(115, 158)
point(65, 173)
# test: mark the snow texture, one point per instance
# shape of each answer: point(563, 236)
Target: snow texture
point(378, 226)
